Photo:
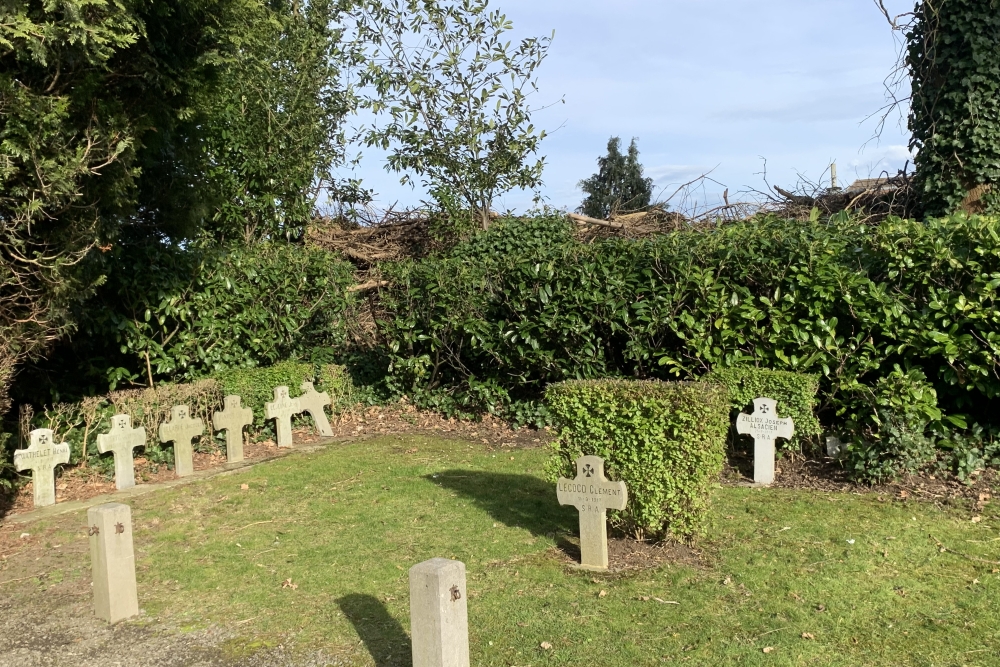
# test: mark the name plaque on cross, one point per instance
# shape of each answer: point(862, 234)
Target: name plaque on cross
point(313, 402)
point(764, 426)
point(592, 495)
point(281, 410)
point(120, 441)
point(232, 420)
point(41, 458)
point(180, 430)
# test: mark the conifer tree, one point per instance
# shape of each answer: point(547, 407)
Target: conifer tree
point(618, 186)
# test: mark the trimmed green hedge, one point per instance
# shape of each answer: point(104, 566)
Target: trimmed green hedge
point(794, 392)
point(665, 440)
point(256, 385)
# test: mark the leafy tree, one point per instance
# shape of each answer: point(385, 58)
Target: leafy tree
point(618, 186)
point(83, 84)
point(953, 56)
point(456, 97)
point(274, 127)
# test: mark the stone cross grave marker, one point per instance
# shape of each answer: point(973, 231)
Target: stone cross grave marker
point(281, 410)
point(232, 420)
point(313, 402)
point(41, 458)
point(592, 495)
point(180, 430)
point(764, 426)
point(121, 440)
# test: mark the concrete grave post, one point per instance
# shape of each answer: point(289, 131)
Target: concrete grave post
point(281, 410)
point(592, 495)
point(232, 420)
point(313, 402)
point(41, 458)
point(112, 562)
point(439, 615)
point(121, 440)
point(764, 426)
point(180, 430)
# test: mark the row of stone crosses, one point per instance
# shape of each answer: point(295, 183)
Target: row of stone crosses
point(43, 455)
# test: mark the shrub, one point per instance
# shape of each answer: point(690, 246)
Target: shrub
point(832, 298)
point(794, 392)
point(888, 428)
point(665, 440)
point(256, 385)
point(79, 424)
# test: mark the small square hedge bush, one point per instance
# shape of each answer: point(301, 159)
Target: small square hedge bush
point(794, 392)
point(665, 440)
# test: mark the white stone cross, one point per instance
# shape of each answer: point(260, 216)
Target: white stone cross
point(592, 495)
point(764, 426)
point(232, 420)
point(42, 457)
point(181, 429)
point(313, 402)
point(121, 440)
point(281, 410)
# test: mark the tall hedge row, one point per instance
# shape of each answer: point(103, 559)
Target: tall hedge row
point(845, 302)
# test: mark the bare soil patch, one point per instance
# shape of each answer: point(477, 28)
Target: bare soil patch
point(830, 476)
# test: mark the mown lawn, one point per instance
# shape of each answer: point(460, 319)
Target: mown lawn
point(810, 578)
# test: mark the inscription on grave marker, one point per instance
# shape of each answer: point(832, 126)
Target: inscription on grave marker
point(41, 458)
point(592, 495)
point(121, 440)
point(764, 426)
point(180, 430)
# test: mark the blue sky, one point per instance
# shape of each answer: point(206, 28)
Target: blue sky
point(720, 84)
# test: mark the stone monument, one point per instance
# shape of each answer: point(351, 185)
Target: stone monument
point(281, 410)
point(439, 615)
point(112, 561)
point(232, 420)
point(592, 495)
point(120, 441)
point(764, 426)
point(41, 458)
point(180, 430)
point(313, 402)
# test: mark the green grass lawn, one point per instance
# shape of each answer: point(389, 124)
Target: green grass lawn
point(817, 578)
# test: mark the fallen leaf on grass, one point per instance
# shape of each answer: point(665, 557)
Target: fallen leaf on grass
point(977, 519)
point(602, 594)
point(808, 635)
point(244, 487)
point(768, 649)
point(288, 584)
point(644, 598)
point(545, 646)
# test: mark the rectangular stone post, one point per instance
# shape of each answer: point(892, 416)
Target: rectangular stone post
point(439, 617)
point(112, 562)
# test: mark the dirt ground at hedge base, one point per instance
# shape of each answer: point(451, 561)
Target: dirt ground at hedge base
point(828, 475)
point(81, 483)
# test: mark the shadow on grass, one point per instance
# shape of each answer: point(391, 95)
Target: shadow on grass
point(515, 500)
point(383, 636)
